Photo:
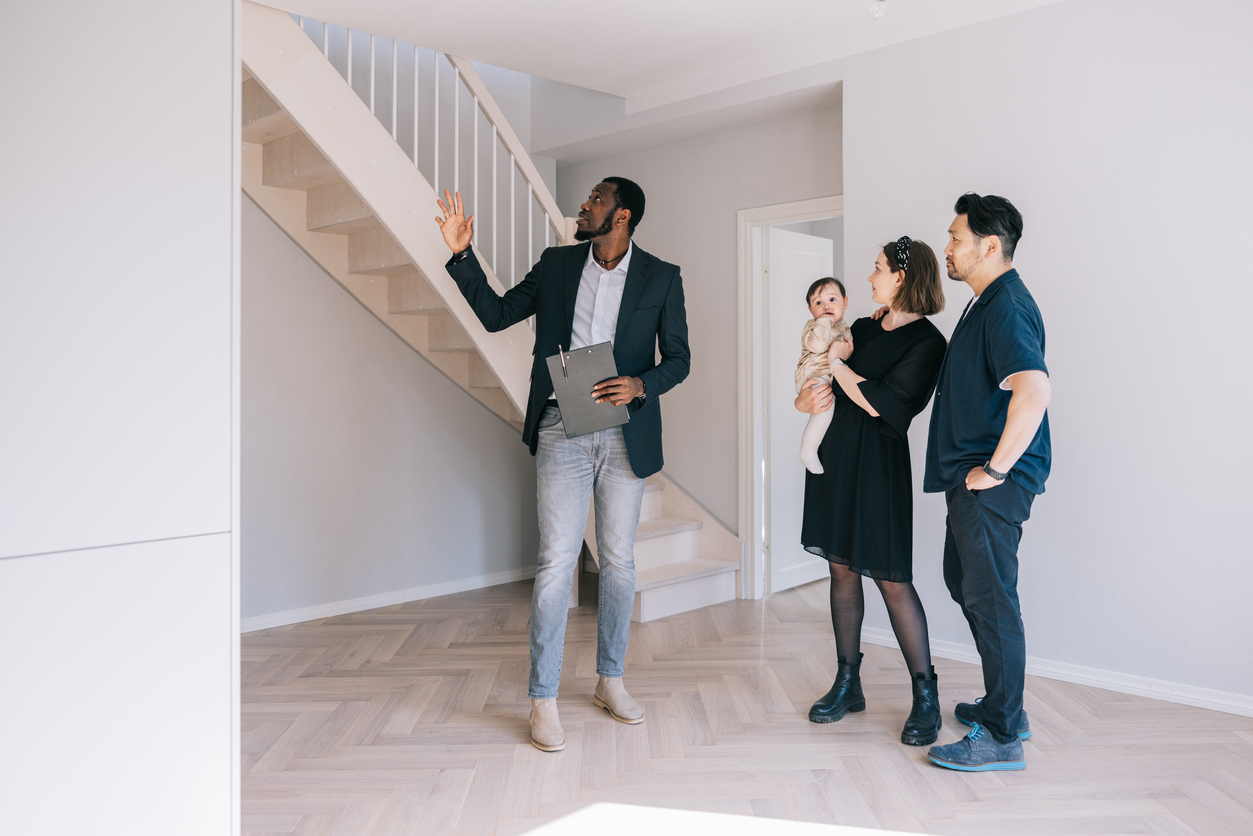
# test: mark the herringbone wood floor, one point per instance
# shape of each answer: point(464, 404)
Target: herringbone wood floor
point(413, 720)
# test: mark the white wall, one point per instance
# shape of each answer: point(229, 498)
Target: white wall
point(117, 580)
point(1120, 130)
point(366, 472)
point(694, 187)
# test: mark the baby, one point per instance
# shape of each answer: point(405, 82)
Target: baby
point(826, 299)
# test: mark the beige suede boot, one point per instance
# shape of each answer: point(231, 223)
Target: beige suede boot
point(611, 696)
point(547, 735)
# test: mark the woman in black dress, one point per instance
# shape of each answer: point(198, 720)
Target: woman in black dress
point(859, 511)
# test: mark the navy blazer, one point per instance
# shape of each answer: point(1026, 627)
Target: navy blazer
point(652, 316)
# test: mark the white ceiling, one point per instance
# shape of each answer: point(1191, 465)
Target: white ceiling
point(653, 52)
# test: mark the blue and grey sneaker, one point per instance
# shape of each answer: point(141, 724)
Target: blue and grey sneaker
point(979, 751)
point(968, 713)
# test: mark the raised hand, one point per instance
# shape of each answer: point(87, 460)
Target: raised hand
point(458, 230)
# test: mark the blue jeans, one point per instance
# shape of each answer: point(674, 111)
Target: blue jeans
point(570, 470)
point(981, 572)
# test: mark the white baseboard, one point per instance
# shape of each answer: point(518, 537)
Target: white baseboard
point(384, 599)
point(1123, 683)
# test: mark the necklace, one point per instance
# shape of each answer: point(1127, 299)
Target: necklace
point(608, 261)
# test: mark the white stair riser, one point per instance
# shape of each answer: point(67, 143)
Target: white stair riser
point(675, 598)
point(650, 508)
point(294, 162)
point(409, 293)
point(339, 210)
point(669, 548)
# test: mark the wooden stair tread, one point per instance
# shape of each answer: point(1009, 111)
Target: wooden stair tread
point(680, 571)
point(662, 526)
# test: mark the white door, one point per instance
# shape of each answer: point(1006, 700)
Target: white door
point(794, 261)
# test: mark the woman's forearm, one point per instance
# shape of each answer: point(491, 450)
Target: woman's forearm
point(848, 380)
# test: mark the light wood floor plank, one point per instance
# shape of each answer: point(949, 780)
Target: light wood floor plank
point(412, 719)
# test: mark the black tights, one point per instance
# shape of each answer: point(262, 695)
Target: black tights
point(909, 622)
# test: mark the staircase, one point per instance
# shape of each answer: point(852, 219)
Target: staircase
point(337, 180)
point(684, 558)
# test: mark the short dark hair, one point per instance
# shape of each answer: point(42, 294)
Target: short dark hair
point(921, 292)
point(992, 215)
point(820, 284)
point(629, 196)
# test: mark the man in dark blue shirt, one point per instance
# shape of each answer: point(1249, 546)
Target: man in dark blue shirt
point(989, 452)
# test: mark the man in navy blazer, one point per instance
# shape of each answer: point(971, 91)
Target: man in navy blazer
point(603, 289)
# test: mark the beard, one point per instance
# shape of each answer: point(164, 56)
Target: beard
point(588, 234)
point(956, 273)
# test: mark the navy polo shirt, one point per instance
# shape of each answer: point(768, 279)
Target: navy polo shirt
point(1000, 334)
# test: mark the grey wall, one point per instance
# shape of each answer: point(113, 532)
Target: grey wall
point(118, 678)
point(694, 188)
point(365, 470)
point(1120, 130)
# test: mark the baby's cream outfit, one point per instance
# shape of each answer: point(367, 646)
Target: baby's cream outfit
point(816, 339)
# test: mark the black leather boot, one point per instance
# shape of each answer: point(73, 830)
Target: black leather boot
point(845, 695)
point(923, 725)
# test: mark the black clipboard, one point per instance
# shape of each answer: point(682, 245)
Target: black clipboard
point(574, 373)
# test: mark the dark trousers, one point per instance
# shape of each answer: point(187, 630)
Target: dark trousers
point(981, 571)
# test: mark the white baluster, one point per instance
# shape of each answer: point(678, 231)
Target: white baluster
point(548, 227)
point(371, 73)
point(435, 124)
point(475, 111)
point(513, 233)
point(394, 90)
point(530, 225)
point(326, 41)
point(456, 130)
point(415, 105)
point(495, 154)
point(349, 57)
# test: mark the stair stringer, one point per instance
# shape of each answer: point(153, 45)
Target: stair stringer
point(305, 85)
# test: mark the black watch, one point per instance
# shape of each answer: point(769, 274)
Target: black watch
point(987, 468)
point(457, 258)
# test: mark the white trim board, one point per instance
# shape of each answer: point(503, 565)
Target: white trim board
point(383, 599)
point(752, 357)
point(1122, 683)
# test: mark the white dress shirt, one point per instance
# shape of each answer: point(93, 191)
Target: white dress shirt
point(600, 297)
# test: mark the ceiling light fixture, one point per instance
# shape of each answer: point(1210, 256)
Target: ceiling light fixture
point(878, 8)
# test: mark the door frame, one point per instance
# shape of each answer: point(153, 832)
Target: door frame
point(753, 333)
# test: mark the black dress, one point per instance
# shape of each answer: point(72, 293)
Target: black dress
point(859, 511)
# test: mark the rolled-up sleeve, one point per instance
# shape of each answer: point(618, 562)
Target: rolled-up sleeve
point(1015, 344)
point(905, 390)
